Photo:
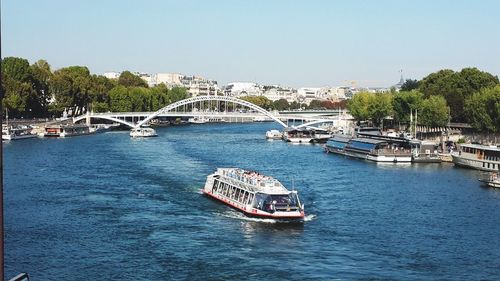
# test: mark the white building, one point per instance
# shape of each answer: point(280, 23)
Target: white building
point(174, 79)
point(275, 93)
point(111, 75)
point(241, 89)
point(199, 86)
point(306, 95)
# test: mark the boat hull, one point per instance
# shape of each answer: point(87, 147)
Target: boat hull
point(483, 165)
point(251, 212)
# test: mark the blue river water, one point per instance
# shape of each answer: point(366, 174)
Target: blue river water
point(108, 207)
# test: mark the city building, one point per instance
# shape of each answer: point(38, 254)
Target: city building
point(275, 93)
point(241, 89)
point(111, 75)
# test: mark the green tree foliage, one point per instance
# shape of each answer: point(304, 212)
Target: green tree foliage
point(370, 106)
point(128, 79)
point(17, 84)
point(380, 107)
point(434, 112)
point(258, 100)
point(42, 75)
point(404, 102)
point(281, 104)
point(482, 110)
point(72, 88)
point(315, 104)
point(358, 106)
point(130, 99)
point(17, 69)
point(409, 85)
point(455, 87)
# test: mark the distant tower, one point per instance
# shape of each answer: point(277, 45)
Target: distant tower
point(401, 81)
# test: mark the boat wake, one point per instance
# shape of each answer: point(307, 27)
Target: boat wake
point(309, 218)
point(240, 216)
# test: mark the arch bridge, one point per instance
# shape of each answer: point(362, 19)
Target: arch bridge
point(144, 117)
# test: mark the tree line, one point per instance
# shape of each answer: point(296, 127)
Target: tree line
point(34, 91)
point(467, 96)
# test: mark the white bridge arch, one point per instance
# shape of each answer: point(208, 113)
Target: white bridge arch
point(149, 116)
point(105, 117)
point(209, 98)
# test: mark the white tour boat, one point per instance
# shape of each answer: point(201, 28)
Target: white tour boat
point(143, 132)
point(17, 133)
point(481, 157)
point(254, 194)
point(274, 135)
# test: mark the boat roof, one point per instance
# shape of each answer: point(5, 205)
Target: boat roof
point(342, 138)
point(367, 140)
point(252, 181)
point(480, 146)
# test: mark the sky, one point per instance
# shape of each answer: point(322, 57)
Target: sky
point(293, 43)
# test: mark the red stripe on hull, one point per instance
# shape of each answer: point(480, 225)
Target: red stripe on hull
point(250, 214)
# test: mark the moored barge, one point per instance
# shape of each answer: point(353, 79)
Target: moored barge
point(254, 194)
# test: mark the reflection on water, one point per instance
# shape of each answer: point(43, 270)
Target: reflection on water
point(131, 209)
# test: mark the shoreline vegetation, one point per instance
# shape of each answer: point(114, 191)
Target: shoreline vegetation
point(36, 91)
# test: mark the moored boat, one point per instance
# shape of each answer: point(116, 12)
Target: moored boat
point(476, 156)
point(274, 135)
point(198, 120)
point(337, 143)
point(254, 194)
point(492, 180)
point(17, 133)
point(380, 149)
point(294, 135)
point(143, 132)
point(67, 130)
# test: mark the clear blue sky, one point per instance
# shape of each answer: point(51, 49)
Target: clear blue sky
point(295, 43)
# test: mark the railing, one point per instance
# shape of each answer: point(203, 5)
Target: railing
point(20, 277)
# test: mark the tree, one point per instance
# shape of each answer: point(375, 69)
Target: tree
point(17, 69)
point(119, 99)
point(409, 85)
point(358, 106)
point(281, 104)
point(258, 100)
point(315, 104)
point(17, 82)
point(71, 87)
point(41, 77)
point(128, 79)
point(404, 102)
point(455, 87)
point(434, 112)
point(380, 107)
point(482, 110)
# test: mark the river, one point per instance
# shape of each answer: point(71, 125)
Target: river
point(108, 207)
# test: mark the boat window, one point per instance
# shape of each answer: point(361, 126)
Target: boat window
point(237, 194)
point(250, 199)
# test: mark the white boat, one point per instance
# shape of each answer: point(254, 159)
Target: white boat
point(67, 130)
point(297, 135)
point(254, 194)
point(17, 133)
point(198, 120)
point(389, 150)
point(274, 135)
point(493, 180)
point(476, 156)
point(143, 132)
point(261, 119)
